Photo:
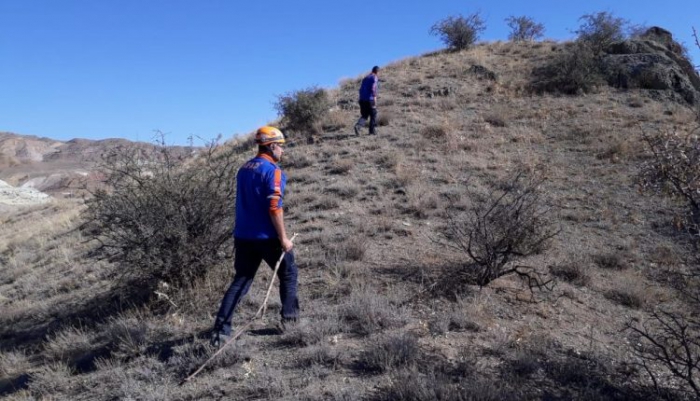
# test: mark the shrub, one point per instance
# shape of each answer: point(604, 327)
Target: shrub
point(625, 297)
point(394, 352)
point(576, 70)
point(601, 29)
point(160, 218)
point(672, 340)
point(573, 273)
point(611, 261)
point(459, 33)
point(524, 29)
point(367, 311)
point(301, 110)
point(673, 168)
point(512, 224)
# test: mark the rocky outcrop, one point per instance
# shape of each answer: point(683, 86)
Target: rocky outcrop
point(653, 61)
point(10, 195)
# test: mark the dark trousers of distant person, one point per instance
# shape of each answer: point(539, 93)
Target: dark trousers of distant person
point(249, 254)
point(368, 109)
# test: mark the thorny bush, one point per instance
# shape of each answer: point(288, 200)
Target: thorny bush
point(673, 168)
point(601, 29)
point(574, 71)
point(163, 217)
point(512, 223)
point(524, 29)
point(672, 340)
point(459, 33)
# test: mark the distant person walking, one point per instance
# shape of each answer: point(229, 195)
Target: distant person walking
point(368, 102)
point(259, 233)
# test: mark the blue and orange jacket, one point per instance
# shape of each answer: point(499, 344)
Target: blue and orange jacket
point(368, 89)
point(259, 191)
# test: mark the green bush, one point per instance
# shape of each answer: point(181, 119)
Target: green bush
point(601, 29)
point(459, 33)
point(524, 29)
point(163, 217)
point(301, 110)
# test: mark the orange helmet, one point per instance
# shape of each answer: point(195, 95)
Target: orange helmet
point(267, 135)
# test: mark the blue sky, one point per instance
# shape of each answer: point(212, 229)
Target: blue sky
point(124, 68)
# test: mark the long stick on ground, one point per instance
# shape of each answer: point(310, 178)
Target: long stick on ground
point(261, 312)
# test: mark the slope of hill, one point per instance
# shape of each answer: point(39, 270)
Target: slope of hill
point(371, 212)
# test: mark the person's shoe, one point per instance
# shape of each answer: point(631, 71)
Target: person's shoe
point(218, 339)
point(357, 130)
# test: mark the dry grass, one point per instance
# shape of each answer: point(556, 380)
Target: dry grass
point(368, 210)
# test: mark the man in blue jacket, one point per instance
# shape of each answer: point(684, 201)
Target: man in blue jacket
point(259, 233)
point(368, 102)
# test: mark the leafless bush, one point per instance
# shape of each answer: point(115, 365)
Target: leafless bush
point(611, 261)
point(601, 29)
point(434, 132)
point(576, 70)
point(513, 223)
point(162, 218)
point(459, 33)
point(671, 340)
point(573, 273)
point(673, 168)
point(524, 28)
point(625, 297)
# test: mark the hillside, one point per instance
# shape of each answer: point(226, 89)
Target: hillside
point(371, 213)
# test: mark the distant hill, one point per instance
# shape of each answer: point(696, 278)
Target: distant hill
point(55, 166)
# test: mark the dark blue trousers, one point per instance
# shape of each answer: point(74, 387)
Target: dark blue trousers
point(249, 254)
point(369, 110)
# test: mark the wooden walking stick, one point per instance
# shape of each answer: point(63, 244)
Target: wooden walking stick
point(261, 312)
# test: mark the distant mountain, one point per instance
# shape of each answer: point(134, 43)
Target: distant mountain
point(54, 166)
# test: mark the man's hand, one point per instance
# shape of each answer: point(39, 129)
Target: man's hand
point(287, 245)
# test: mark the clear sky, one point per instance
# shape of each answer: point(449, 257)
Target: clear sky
point(124, 68)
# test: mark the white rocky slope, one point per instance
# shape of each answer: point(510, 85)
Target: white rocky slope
point(10, 195)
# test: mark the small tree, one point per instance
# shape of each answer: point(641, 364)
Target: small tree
point(459, 33)
point(301, 109)
point(524, 29)
point(601, 29)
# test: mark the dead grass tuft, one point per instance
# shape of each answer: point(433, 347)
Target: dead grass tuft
point(367, 311)
point(393, 352)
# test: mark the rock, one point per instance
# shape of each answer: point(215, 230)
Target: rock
point(10, 195)
point(652, 61)
point(483, 72)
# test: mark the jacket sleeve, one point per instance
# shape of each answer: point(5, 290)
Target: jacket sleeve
point(275, 191)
